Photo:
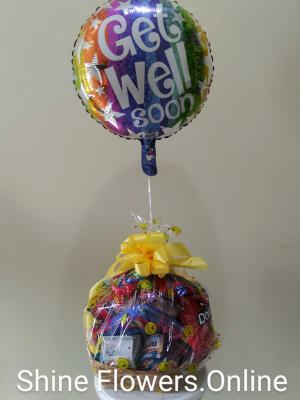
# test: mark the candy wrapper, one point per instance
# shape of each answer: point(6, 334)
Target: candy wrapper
point(147, 314)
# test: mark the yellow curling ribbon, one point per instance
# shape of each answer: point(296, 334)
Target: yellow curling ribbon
point(150, 253)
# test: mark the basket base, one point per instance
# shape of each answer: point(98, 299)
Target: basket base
point(110, 394)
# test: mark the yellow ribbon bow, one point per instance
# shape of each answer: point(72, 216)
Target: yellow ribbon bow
point(150, 253)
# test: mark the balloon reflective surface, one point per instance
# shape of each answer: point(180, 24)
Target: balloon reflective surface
point(143, 69)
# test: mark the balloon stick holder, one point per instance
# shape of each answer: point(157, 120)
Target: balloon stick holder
point(149, 156)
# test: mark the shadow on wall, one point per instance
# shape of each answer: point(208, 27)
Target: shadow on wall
point(108, 223)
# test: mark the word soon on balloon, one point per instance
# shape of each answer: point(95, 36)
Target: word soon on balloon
point(156, 113)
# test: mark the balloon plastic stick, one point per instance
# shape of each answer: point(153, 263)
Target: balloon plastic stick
point(149, 157)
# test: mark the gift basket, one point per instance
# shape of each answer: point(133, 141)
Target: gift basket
point(148, 316)
point(143, 70)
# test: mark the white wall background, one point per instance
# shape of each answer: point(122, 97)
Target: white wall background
point(231, 181)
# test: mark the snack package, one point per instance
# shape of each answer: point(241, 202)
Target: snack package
point(116, 348)
point(159, 324)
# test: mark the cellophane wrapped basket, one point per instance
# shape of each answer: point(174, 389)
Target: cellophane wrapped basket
point(156, 324)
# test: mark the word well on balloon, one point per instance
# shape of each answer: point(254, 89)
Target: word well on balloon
point(166, 74)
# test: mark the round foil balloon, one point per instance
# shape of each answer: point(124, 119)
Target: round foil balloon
point(143, 69)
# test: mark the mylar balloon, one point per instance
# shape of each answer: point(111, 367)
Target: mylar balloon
point(143, 69)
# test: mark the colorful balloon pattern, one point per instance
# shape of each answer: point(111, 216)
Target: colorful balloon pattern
point(143, 69)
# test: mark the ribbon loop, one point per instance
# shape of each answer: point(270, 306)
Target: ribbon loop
point(151, 254)
point(143, 269)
